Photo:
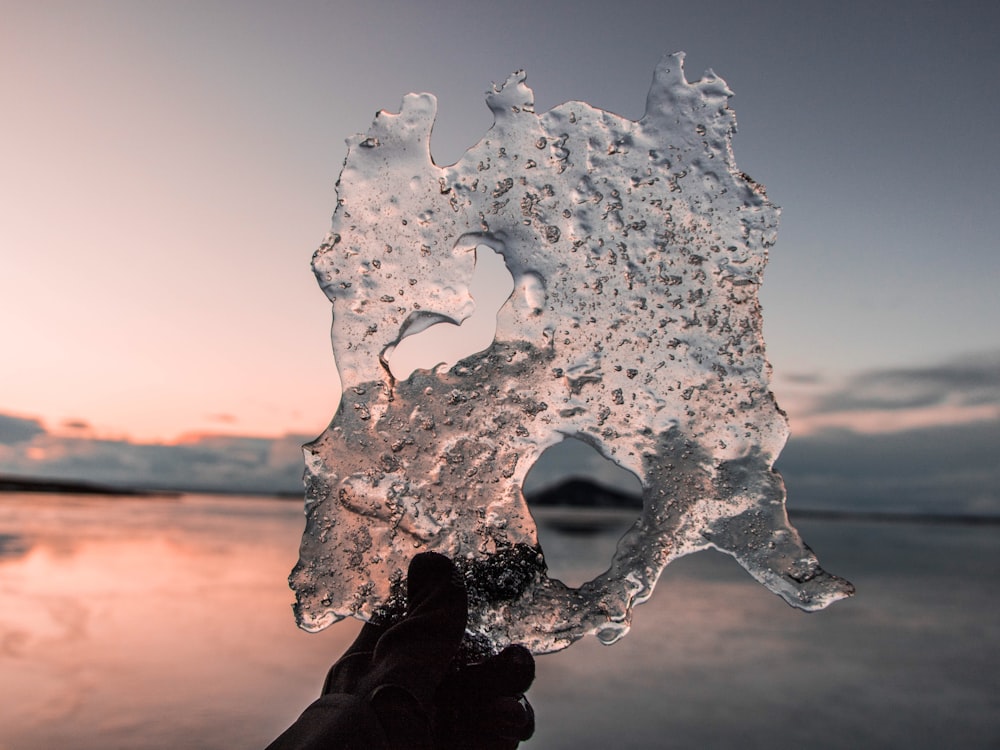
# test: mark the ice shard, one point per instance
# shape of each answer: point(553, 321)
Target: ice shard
point(636, 250)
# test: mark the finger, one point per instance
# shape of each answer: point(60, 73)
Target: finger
point(367, 638)
point(416, 653)
point(503, 723)
point(510, 718)
point(510, 672)
point(405, 723)
point(432, 582)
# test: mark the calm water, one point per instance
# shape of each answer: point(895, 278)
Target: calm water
point(167, 623)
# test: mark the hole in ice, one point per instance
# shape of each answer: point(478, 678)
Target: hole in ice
point(432, 340)
point(582, 504)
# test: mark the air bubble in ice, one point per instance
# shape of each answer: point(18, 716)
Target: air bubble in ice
point(627, 328)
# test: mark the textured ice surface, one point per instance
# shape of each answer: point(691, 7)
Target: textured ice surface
point(636, 250)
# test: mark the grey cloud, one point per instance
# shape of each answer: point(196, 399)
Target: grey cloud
point(13, 546)
point(944, 469)
point(972, 381)
point(14, 430)
point(803, 378)
point(212, 463)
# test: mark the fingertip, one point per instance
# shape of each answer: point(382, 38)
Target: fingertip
point(508, 673)
point(500, 724)
point(429, 572)
point(517, 666)
point(520, 658)
point(431, 563)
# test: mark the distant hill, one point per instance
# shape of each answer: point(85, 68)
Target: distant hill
point(583, 493)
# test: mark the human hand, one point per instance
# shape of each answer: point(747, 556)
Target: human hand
point(400, 685)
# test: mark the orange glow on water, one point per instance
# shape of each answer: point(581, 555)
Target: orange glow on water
point(155, 623)
point(104, 626)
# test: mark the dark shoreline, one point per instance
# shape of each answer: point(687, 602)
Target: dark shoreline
point(68, 487)
point(573, 494)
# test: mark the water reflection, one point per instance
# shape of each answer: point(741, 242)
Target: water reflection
point(12, 545)
point(152, 623)
point(579, 543)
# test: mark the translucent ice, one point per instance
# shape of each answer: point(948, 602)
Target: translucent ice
point(636, 250)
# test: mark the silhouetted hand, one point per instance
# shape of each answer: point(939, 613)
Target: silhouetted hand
point(399, 686)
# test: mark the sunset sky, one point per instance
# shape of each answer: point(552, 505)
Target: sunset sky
point(168, 170)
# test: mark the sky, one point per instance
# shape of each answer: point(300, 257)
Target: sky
point(169, 168)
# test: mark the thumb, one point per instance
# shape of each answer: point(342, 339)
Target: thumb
point(416, 653)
